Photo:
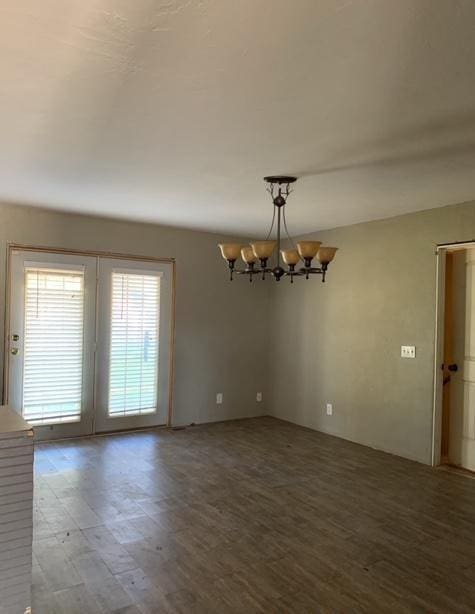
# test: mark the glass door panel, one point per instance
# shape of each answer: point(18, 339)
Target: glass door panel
point(53, 345)
point(133, 356)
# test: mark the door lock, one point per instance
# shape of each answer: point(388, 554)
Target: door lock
point(15, 337)
point(454, 368)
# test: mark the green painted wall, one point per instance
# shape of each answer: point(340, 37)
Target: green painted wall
point(339, 342)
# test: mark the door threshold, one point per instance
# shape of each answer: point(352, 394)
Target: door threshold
point(104, 434)
point(458, 470)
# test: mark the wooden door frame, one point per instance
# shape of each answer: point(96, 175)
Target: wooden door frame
point(441, 253)
point(97, 254)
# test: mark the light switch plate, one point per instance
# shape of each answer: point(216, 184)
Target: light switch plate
point(259, 397)
point(408, 351)
point(219, 398)
point(329, 409)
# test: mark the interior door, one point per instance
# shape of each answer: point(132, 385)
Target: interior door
point(133, 344)
point(51, 342)
point(462, 370)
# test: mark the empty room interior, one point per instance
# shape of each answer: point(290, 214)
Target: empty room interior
point(237, 306)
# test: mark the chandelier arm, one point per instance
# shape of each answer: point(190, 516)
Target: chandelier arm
point(271, 226)
point(270, 189)
point(286, 229)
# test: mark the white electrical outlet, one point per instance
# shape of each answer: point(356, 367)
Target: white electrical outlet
point(408, 351)
point(219, 398)
point(259, 397)
point(329, 409)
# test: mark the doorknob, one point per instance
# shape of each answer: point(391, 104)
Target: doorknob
point(453, 368)
point(14, 351)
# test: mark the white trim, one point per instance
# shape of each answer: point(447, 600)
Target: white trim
point(455, 246)
point(438, 358)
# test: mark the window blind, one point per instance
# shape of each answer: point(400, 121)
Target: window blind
point(133, 366)
point(53, 345)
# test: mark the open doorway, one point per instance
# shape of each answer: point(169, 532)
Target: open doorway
point(454, 410)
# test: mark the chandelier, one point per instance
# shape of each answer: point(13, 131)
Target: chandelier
point(256, 255)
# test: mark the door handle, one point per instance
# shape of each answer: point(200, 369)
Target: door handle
point(14, 351)
point(454, 368)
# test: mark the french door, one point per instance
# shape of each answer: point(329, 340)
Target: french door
point(88, 342)
point(133, 344)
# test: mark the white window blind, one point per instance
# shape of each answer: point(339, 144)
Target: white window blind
point(133, 367)
point(53, 345)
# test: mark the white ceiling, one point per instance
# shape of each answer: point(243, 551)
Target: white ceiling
point(173, 110)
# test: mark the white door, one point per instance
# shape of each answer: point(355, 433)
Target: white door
point(88, 343)
point(133, 344)
point(462, 373)
point(50, 343)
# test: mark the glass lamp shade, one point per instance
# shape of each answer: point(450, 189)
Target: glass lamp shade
point(263, 249)
point(308, 249)
point(230, 251)
point(290, 256)
point(326, 254)
point(248, 255)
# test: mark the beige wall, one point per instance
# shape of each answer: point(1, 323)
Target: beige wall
point(340, 342)
point(221, 332)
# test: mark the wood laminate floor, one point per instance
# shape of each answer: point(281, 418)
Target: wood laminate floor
point(248, 516)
